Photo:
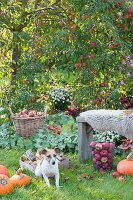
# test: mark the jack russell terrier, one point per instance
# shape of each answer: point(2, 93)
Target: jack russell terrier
point(47, 164)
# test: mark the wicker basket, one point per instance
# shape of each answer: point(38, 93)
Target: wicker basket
point(28, 126)
point(27, 163)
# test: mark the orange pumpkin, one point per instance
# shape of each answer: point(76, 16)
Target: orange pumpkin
point(125, 167)
point(6, 186)
point(4, 170)
point(20, 179)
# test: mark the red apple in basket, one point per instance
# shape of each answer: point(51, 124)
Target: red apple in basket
point(24, 116)
point(104, 153)
point(111, 147)
point(93, 143)
point(31, 114)
point(98, 146)
point(39, 114)
point(104, 159)
point(106, 145)
point(97, 156)
point(105, 166)
point(25, 111)
point(110, 155)
point(110, 161)
point(17, 114)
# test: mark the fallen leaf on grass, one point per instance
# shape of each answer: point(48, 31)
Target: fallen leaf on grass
point(84, 175)
point(90, 177)
point(78, 179)
point(100, 179)
point(88, 164)
point(66, 179)
point(62, 173)
point(73, 170)
point(33, 192)
point(102, 172)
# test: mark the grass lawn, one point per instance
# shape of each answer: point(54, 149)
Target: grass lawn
point(101, 187)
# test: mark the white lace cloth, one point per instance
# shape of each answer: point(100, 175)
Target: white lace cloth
point(110, 120)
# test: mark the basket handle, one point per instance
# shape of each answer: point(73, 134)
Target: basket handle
point(11, 111)
point(45, 112)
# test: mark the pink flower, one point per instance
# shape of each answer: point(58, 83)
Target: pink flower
point(131, 64)
point(122, 82)
point(131, 61)
point(128, 74)
point(124, 62)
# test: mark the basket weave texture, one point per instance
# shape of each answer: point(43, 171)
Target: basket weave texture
point(28, 126)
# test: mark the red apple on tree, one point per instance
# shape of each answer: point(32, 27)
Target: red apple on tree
point(26, 82)
point(70, 37)
point(33, 99)
point(40, 54)
point(116, 44)
point(117, 16)
point(62, 24)
point(130, 11)
point(83, 16)
point(68, 11)
point(91, 31)
point(93, 44)
point(102, 85)
point(111, 46)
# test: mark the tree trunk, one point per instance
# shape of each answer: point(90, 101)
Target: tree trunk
point(16, 54)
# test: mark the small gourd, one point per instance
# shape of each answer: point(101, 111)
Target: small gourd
point(20, 179)
point(4, 170)
point(125, 166)
point(6, 185)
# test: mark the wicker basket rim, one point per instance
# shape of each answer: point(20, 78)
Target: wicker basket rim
point(26, 118)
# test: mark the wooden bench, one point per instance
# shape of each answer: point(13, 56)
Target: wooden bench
point(101, 120)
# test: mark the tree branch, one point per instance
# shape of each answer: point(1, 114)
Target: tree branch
point(45, 8)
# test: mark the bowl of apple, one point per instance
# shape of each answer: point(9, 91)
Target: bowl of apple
point(102, 155)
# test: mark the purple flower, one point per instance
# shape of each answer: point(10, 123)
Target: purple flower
point(122, 82)
point(124, 62)
point(131, 64)
point(128, 74)
point(131, 61)
point(128, 56)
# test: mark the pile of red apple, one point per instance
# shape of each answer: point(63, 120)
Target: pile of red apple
point(25, 114)
point(102, 154)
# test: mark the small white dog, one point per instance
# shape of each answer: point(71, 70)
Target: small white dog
point(47, 166)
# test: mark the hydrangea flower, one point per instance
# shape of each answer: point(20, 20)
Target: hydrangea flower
point(131, 61)
point(128, 56)
point(128, 74)
point(122, 82)
point(124, 62)
point(121, 69)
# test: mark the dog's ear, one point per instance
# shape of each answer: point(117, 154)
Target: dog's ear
point(57, 150)
point(42, 151)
